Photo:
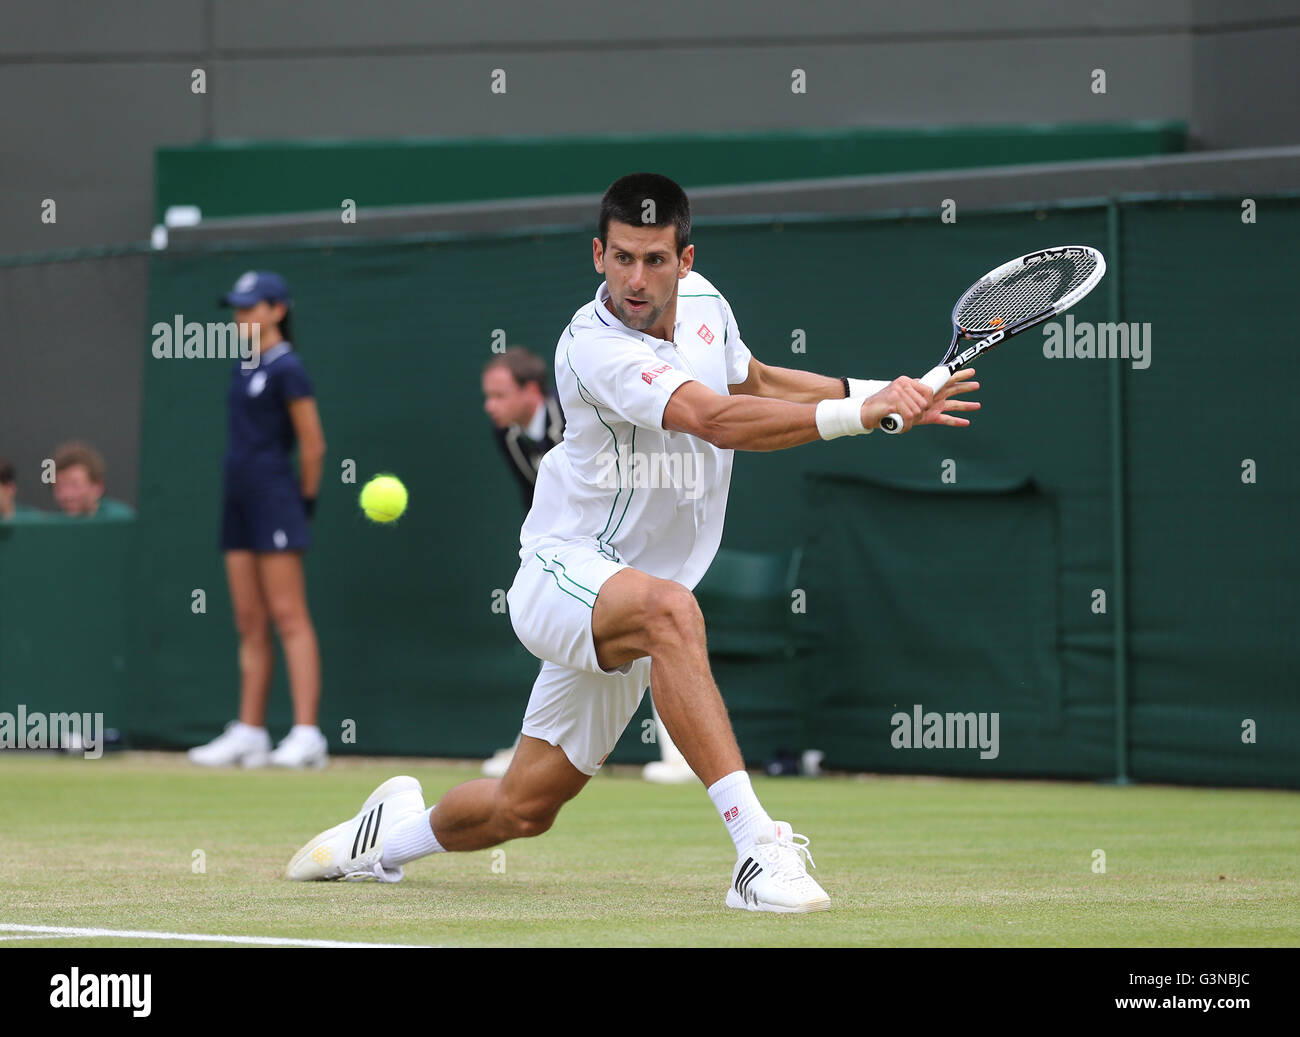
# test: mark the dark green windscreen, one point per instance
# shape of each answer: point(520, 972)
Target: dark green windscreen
point(961, 570)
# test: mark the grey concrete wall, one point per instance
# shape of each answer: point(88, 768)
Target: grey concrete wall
point(90, 89)
point(1246, 89)
point(73, 341)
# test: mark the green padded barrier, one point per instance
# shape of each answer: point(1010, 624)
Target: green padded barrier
point(944, 600)
point(746, 600)
point(63, 617)
point(394, 335)
point(246, 178)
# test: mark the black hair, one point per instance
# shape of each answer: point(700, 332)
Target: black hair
point(286, 326)
point(625, 199)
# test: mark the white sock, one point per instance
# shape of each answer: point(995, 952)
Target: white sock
point(410, 838)
point(741, 811)
point(248, 729)
point(304, 729)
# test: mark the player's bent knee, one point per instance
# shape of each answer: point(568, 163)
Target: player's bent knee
point(526, 820)
point(673, 614)
point(528, 828)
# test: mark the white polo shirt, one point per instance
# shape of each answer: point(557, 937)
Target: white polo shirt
point(619, 482)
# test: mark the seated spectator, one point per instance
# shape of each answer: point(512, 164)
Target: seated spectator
point(10, 509)
point(79, 484)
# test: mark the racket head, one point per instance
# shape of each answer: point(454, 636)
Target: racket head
point(1011, 298)
point(1027, 289)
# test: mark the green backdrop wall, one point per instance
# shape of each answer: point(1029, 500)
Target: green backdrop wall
point(64, 625)
point(245, 178)
point(979, 594)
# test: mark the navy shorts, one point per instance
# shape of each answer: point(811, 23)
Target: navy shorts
point(264, 518)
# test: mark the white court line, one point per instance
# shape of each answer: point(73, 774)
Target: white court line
point(142, 934)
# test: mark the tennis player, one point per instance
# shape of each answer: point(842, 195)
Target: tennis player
point(264, 532)
point(653, 368)
point(529, 421)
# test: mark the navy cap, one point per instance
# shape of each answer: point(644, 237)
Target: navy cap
point(256, 286)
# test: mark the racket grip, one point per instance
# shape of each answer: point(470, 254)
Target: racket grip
point(936, 379)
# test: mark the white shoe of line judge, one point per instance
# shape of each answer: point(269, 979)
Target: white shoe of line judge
point(670, 769)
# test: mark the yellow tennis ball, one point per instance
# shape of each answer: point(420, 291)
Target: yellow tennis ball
point(383, 498)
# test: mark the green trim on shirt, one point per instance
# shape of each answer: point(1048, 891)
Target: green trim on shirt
point(600, 538)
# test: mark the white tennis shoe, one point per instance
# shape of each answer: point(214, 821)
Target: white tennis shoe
point(301, 747)
point(239, 745)
point(668, 772)
point(354, 849)
point(770, 875)
point(496, 765)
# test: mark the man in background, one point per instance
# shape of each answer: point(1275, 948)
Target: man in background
point(10, 509)
point(79, 474)
point(529, 422)
point(527, 417)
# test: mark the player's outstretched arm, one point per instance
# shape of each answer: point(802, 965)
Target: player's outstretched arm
point(743, 422)
point(785, 383)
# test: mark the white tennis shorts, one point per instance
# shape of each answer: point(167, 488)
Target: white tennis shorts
point(575, 704)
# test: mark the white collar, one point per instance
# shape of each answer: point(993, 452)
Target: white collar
point(607, 316)
point(537, 427)
point(275, 352)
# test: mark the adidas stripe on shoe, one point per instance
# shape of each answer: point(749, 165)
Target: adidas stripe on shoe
point(771, 875)
point(354, 849)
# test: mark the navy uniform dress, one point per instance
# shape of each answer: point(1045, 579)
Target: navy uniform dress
point(263, 509)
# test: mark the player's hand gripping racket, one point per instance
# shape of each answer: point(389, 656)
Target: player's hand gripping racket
point(1010, 299)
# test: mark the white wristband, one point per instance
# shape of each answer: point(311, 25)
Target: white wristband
point(861, 388)
point(837, 418)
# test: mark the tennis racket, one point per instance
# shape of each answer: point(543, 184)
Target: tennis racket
point(1010, 299)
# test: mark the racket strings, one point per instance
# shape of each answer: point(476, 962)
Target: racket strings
point(1021, 294)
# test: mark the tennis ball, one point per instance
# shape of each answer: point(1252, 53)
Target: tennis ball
point(383, 498)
